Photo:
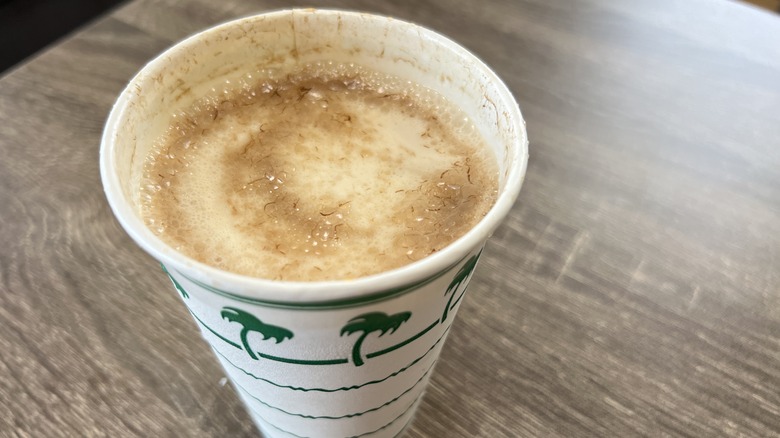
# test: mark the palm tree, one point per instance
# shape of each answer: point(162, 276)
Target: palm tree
point(251, 324)
point(369, 323)
point(460, 278)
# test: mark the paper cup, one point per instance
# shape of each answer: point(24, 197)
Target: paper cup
point(317, 359)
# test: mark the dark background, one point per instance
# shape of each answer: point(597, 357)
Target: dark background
point(27, 26)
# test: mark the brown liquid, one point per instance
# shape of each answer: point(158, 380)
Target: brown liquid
point(331, 173)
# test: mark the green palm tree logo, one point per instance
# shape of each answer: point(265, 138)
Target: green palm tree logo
point(251, 324)
point(460, 278)
point(369, 323)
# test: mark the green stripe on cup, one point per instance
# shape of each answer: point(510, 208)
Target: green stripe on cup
point(343, 303)
point(325, 417)
point(406, 411)
point(403, 343)
point(347, 388)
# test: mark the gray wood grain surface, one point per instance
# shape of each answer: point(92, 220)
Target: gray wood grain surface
point(635, 285)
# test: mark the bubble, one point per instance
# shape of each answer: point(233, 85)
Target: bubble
point(314, 95)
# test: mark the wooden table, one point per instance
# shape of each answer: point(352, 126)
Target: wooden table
point(635, 285)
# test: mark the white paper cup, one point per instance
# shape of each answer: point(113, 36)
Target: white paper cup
point(317, 359)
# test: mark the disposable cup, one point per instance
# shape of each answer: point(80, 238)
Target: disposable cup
point(347, 358)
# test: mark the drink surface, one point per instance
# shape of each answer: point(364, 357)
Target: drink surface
point(334, 172)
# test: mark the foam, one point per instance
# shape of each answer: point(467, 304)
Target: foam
point(334, 172)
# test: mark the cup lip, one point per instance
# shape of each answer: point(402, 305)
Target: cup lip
point(294, 292)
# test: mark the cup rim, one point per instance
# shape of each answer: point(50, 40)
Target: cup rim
point(321, 292)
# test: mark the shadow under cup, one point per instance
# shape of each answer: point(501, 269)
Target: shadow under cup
point(317, 359)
